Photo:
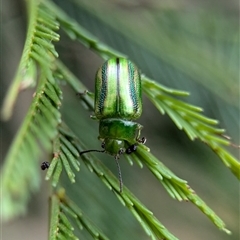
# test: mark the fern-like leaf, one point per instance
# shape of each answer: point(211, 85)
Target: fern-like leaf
point(62, 208)
point(38, 48)
point(177, 187)
point(190, 119)
point(20, 174)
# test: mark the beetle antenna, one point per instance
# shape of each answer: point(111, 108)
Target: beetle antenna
point(119, 174)
point(118, 166)
point(93, 150)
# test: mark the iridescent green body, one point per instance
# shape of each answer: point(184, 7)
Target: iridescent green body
point(118, 101)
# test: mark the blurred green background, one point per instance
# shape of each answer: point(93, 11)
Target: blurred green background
point(187, 45)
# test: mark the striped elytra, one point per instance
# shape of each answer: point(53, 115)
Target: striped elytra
point(118, 91)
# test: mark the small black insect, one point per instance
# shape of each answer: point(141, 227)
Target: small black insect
point(45, 165)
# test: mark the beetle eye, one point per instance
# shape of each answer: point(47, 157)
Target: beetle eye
point(121, 151)
point(131, 149)
point(103, 145)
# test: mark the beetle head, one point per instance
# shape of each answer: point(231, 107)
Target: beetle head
point(113, 147)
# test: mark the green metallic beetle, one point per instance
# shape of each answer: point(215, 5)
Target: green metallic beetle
point(118, 101)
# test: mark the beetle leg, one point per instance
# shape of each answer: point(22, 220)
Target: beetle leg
point(86, 92)
point(142, 140)
point(131, 149)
